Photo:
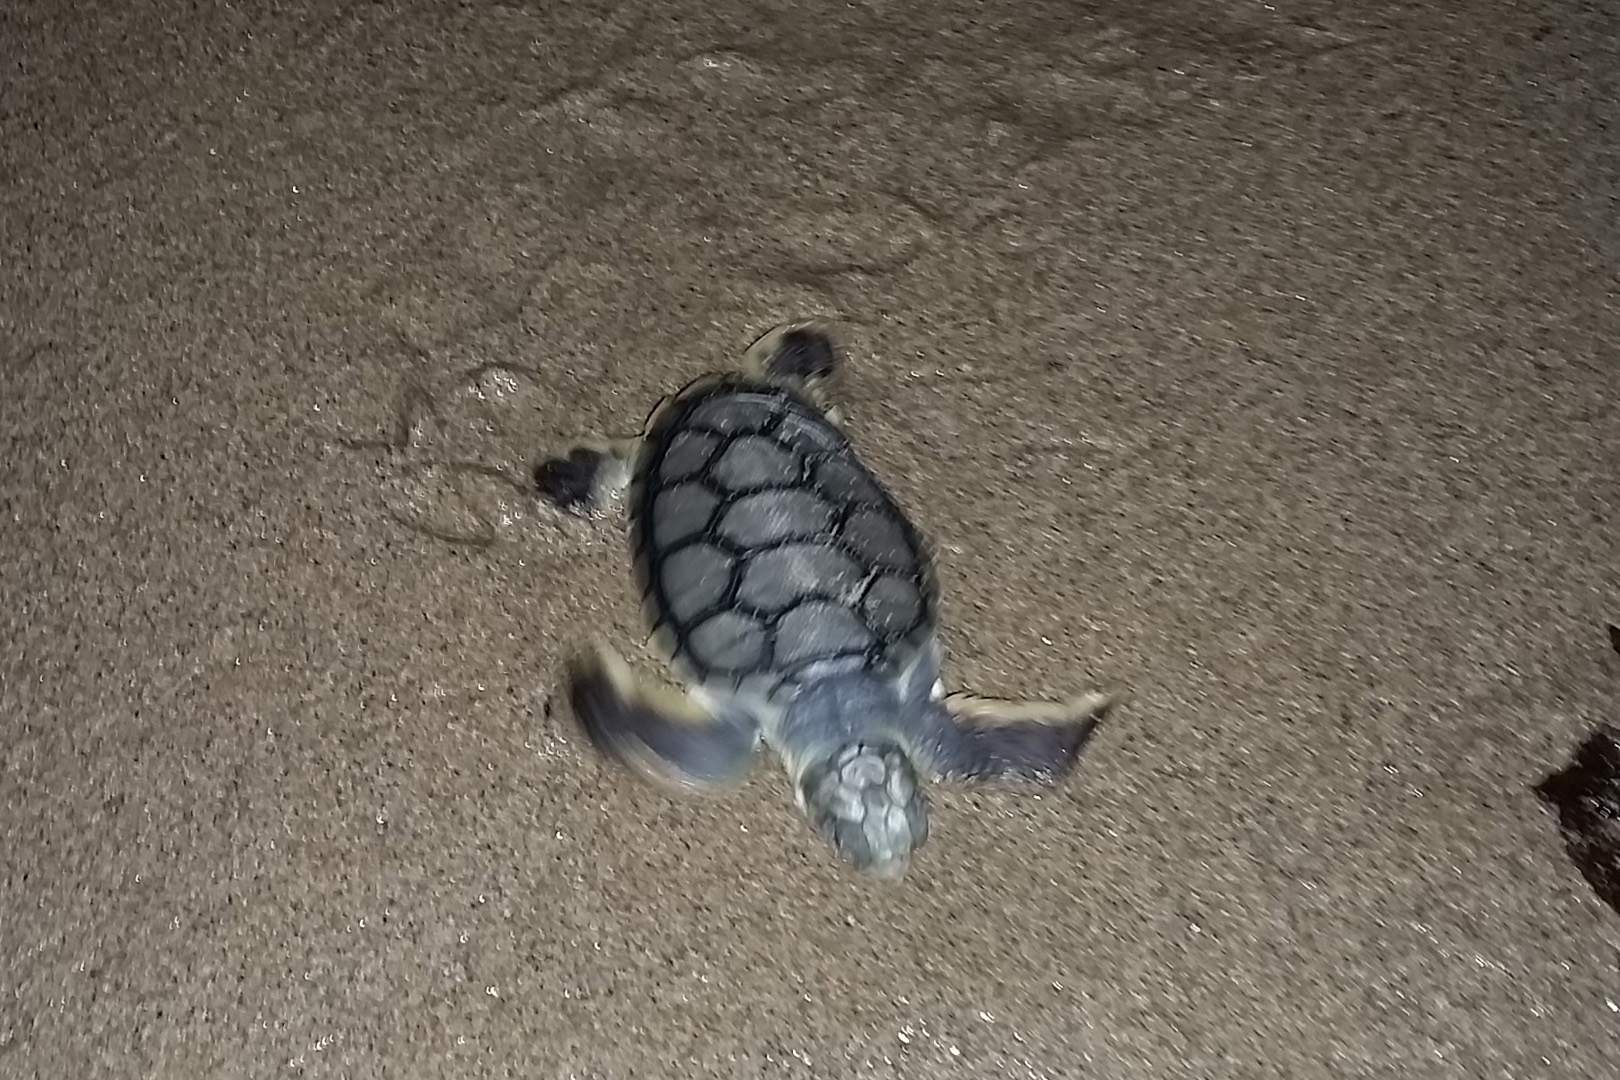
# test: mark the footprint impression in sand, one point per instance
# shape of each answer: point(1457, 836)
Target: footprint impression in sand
point(456, 454)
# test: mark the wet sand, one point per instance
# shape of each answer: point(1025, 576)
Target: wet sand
point(1256, 358)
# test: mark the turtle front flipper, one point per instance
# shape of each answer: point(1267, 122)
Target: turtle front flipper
point(986, 739)
point(662, 735)
point(585, 477)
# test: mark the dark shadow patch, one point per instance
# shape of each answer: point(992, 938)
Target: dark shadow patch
point(1614, 637)
point(1586, 796)
point(452, 514)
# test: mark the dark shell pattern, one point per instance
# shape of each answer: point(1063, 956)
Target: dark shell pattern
point(767, 553)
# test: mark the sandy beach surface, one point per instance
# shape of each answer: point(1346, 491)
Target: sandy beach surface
point(1259, 359)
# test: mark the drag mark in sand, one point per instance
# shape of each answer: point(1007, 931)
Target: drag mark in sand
point(448, 476)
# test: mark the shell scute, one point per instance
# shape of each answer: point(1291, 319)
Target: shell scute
point(818, 628)
point(688, 454)
point(730, 641)
point(880, 539)
point(763, 519)
point(699, 577)
point(777, 579)
point(681, 512)
point(755, 461)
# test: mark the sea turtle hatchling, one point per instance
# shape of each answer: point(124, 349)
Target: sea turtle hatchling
point(796, 601)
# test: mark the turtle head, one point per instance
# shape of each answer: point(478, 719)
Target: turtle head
point(865, 799)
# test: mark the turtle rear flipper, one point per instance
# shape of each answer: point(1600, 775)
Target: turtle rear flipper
point(799, 354)
point(664, 736)
point(586, 476)
point(985, 739)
